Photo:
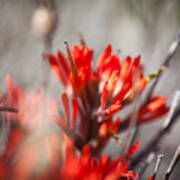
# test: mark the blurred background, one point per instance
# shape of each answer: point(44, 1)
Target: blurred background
point(133, 26)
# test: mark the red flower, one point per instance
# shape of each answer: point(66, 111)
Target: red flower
point(156, 108)
point(95, 97)
point(119, 77)
point(100, 93)
point(86, 167)
point(78, 73)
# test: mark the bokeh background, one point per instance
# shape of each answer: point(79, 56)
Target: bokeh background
point(133, 26)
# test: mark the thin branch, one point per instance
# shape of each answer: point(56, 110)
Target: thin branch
point(172, 165)
point(145, 164)
point(82, 40)
point(124, 124)
point(133, 127)
point(9, 109)
point(174, 105)
point(171, 52)
point(156, 169)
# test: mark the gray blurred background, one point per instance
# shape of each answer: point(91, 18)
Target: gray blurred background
point(145, 27)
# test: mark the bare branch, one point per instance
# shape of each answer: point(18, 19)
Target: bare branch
point(9, 109)
point(145, 164)
point(173, 163)
point(174, 105)
point(82, 40)
point(156, 169)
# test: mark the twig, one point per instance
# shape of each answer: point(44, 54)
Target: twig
point(82, 40)
point(9, 109)
point(124, 124)
point(153, 145)
point(156, 169)
point(172, 165)
point(133, 127)
point(175, 104)
point(171, 52)
point(145, 164)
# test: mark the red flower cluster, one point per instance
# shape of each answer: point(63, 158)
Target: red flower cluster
point(101, 93)
point(85, 167)
point(113, 79)
point(88, 122)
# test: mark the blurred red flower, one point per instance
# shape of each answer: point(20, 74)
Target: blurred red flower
point(86, 167)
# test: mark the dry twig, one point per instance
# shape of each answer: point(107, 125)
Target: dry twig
point(9, 109)
point(156, 169)
point(172, 165)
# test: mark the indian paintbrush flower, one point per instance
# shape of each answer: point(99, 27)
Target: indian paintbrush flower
point(100, 93)
point(87, 121)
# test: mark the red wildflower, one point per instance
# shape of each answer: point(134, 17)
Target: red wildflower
point(78, 73)
point(119, 77)
point(100, 93)
point(87, 167)
point(133, 149)
point(156, 108)
point(112, 81)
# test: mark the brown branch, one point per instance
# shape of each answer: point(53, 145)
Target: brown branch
point(124, 124)
point(82, 40)
point(9, 109)
point(172, 165)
